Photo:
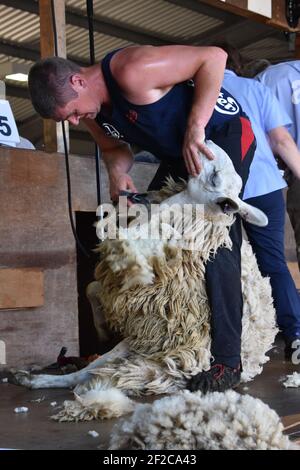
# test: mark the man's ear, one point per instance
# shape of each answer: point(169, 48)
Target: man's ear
point(77, 82)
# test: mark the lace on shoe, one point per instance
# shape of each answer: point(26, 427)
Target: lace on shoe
point(217, 379)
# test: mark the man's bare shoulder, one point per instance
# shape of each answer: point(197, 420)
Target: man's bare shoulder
point(131, 68)
point(128, 61)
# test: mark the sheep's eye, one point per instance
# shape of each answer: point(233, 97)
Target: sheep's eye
point(214, 178)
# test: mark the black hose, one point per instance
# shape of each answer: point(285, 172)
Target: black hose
point(90, 15)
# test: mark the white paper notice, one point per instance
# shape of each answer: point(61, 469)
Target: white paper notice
point(9, 134)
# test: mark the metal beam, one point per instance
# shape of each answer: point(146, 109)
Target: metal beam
point(220, 31)
point(25, 5)
point(116, 29)
point(204, 9)
point(17, 91)
point(258, 36)
point(29, 52)
point(15, 50)
point(252, 32)
point(102, 24)
point(278, 19)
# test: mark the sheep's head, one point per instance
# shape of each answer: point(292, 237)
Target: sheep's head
point(218, 186)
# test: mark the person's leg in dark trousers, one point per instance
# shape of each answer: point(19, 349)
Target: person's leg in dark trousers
point(223, 270)
point(175, 169)
point(268, 246)
point(293, 209)
point(226, 305)
point(238, 141)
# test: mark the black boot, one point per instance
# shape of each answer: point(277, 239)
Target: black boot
point(217, 379)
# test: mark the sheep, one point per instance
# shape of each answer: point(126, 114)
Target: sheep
point(190, 421)
point(153, 293)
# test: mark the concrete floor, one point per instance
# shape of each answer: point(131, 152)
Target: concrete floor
point(34, 430)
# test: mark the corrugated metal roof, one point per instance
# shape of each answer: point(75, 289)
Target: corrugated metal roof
point(268, 48)
point(14, 60)
point(78, 43)
point(21, 108)
point(155, 16)
point(18, 26)
point(159, 19)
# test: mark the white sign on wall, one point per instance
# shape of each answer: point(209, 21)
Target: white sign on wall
point(2, 353)
point(261, 7)
point(9, 134)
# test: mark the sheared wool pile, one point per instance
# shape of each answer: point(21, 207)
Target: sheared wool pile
point(95, 404)
point(292, 380)
point(217, 421)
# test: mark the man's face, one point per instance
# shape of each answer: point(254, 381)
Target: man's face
point(78, 108)
point(86, 105)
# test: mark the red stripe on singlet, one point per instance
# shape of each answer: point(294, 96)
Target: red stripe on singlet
point(247, 136)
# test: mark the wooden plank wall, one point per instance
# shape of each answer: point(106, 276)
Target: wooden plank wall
point(21, 288)
point(36, 237)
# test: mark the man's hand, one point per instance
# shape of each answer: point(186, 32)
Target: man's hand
point(192, 145)
point(119, 182)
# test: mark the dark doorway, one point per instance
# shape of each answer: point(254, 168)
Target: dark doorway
point(88, 340)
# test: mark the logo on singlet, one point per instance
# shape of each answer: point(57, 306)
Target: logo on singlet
point(226, 105)
point(132, 116)
point(111, 131)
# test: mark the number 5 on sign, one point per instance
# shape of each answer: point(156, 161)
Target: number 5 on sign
point(8, 130)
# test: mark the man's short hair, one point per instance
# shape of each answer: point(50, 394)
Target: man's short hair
point(241, 64)
point(235, 60)
point(49, 84)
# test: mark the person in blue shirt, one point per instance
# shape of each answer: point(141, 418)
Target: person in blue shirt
point(166, 100)
point(264, 189)
point(284, 81)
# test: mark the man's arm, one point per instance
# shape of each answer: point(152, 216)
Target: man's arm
point(147, 73)
point(283, 145)
point(118, 159)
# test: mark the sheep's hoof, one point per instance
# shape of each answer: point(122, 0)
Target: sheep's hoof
point(21, 377)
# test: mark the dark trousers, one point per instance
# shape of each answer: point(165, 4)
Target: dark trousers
point(293, 208)
point(268, 246)
point(224, 270)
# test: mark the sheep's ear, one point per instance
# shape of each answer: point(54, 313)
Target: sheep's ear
point(252, 215)
point(227, 204)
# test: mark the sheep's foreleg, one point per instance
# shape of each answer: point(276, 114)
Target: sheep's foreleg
point(69, 380)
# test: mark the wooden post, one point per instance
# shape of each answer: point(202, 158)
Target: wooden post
point(297, 48)
point(52, 131)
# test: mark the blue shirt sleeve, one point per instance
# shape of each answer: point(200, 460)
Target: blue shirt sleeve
point(273, 113)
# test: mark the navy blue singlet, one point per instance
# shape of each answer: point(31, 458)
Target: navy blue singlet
point(159, 127)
